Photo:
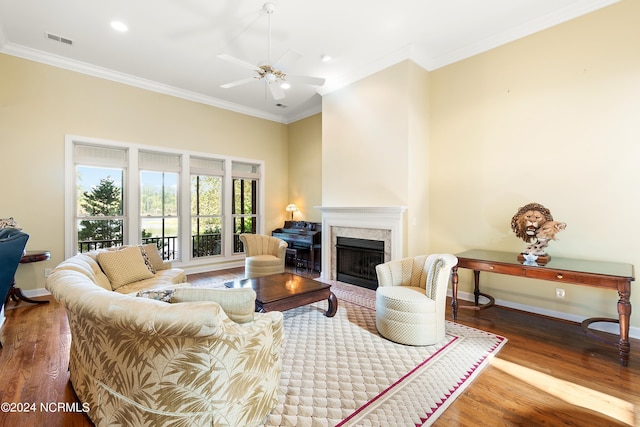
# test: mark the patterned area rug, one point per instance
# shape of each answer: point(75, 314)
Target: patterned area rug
point(340, 372)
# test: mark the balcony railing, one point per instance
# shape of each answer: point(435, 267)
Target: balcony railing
point(203, 245)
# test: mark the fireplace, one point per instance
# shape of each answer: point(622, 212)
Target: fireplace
point(356, 261)
point(366, 222)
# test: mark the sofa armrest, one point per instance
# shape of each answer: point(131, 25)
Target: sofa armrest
point(237, 303)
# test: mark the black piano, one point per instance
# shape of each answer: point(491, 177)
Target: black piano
point(304, 240)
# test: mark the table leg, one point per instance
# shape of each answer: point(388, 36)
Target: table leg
point(624, 313)
point(477, 294)
point(312, 258)
point(333, 305)
point(454, 292)
point(476, 287)
point(16, 293)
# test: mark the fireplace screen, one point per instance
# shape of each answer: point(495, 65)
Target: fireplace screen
point(356, 261)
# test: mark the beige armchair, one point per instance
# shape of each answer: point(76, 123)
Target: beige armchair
point(264, 255)
point(411, 298)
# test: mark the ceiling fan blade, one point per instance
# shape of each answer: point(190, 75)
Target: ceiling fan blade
point(237, 61)
point(287, 59)
point(316, 81)
point(276, 91)
point(237, 82)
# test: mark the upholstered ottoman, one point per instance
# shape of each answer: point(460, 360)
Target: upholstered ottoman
point(406, 315)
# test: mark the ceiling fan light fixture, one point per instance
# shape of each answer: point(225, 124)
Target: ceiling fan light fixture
point(119, 26)
point(268, 72)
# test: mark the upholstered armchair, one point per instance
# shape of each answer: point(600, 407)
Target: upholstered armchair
point(264, 255)
point(411, 298)
point(12, 244)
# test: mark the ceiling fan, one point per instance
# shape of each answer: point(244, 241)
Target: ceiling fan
point(270, 73)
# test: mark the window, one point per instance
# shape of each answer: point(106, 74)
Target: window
point(244, 201)
point(99, 219)
point(159, 213)
point(193, 207)
point(206, 207)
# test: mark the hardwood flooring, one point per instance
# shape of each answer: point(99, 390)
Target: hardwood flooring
point(548, 374)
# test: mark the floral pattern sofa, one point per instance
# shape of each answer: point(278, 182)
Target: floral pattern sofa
point(202, 359)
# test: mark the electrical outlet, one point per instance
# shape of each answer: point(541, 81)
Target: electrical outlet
point(47, 272)
point(560, 293)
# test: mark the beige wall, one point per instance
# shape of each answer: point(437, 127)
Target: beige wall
point(39, 104)
point(552, 118)
point(305, 167)
point(374, 146)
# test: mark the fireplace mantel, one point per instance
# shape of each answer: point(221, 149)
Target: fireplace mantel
point(362, 217)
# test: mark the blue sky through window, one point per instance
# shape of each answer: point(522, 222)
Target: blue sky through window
point(90, 176)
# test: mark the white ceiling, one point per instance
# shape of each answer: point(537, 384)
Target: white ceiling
point(171, 45)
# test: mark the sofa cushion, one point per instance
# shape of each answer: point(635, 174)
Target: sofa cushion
point(172, 275)
point(124, 266)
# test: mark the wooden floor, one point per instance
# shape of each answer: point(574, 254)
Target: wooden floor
point(548, 374)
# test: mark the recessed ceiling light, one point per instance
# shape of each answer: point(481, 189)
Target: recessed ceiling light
point(326, 58)
point(119, 26)
point(285, 85)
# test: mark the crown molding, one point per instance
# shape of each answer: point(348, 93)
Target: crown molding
point(107, 74)
point(424, 60)
point(531, 27)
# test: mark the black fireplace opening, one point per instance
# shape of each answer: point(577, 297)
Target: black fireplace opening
point(356, 261)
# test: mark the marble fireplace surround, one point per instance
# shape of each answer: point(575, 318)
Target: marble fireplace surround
point(364, 222)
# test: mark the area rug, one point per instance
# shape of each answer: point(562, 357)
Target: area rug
point(340, 372)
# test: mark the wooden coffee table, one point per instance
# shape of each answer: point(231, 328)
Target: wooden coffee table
point(284, 291)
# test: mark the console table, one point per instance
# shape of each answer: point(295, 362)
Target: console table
point(598, 274)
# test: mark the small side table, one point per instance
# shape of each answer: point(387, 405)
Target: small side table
point(16, 293)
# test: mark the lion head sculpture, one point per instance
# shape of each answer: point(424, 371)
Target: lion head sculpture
point(529, 218)
point(534, 224)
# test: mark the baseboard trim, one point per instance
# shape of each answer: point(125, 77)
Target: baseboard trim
point(34, 293)
point(611, 328)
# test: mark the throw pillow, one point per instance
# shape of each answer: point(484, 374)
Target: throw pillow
point(159, 294)
point(124, 266)
point(154, 256)
point(147, 261)
point(9, 223)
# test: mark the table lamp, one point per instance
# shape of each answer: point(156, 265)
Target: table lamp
point(291, 208)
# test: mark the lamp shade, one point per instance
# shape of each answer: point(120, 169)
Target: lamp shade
point(291, 208)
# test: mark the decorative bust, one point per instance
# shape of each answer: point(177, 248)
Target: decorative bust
point(534, 224)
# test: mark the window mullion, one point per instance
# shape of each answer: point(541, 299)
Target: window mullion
point(227, 215)
point(132, 220)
